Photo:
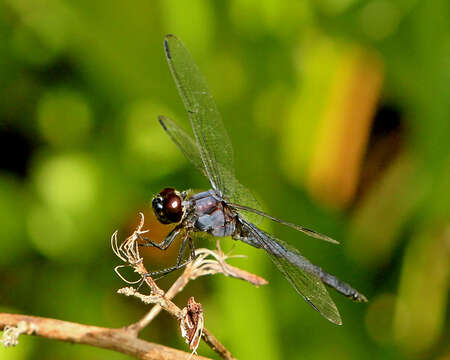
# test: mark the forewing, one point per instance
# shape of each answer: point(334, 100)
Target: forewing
point(239, 193)
point(184, 142)
point(298, 270)
point(210, 134)
point(190, 149)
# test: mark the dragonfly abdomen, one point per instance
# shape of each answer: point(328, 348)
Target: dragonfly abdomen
point(331, 280)
point(340, 286)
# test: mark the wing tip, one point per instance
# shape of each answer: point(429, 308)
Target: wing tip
point(318, 235)
point(161, 119)
point(166, 44)
point(335, 318)
point(314, 234)
point(333, 241)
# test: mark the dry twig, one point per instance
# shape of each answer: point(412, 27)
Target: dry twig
point(119, 340)
point(125, 340)
point(207, 262)
point(201, 266)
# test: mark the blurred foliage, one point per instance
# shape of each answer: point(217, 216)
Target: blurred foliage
point(339, 114)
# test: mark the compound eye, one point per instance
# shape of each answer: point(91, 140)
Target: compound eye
point(167, 206)
point(173, 208)
point(158, 208)
point(157, 204)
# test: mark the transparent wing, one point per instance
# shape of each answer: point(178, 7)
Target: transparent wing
point(190, 149)
point(300, 228)
point(298, 270)
point(184, 142)
point(240, 194)
point(212, 139)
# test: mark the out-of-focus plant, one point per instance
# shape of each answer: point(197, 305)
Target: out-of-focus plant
point(344, 98)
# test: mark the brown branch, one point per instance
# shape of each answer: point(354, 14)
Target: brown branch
point(158, 297)
point(128, 252)
point(195, 269)
point(119, 340)
point(216, 345)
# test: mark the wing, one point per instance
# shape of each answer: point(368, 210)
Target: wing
point(184, 142)
point(302, 229)
point(297, 269)
point(212, 139)
point(190, 149)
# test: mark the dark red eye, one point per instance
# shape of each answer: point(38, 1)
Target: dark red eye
point(167, 206)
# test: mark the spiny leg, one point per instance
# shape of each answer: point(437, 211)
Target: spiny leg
point(179, 264)
point(182, 248)
point(163, 245)
point(192, 249)
point(156, 275)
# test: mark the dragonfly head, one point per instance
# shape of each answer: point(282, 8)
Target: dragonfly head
point(167, 206)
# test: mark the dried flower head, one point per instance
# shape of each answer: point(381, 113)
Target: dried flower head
point(191, 323)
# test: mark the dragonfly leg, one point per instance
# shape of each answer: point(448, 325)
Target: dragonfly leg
point(156, 275)
point(163, 245)
point(182, 248)
point(191, 247)
point(179, 264)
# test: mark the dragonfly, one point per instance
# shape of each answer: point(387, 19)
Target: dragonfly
point(228, 208)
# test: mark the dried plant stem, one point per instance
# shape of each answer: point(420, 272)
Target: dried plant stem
point(176, 287)
point(119, 340)
point(199, 267)
point(216, 345)
point(206, 262)
point(158, 297)
point(175, 311)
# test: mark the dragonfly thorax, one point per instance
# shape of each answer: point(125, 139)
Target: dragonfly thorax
point(167, 206)
point(212, 215)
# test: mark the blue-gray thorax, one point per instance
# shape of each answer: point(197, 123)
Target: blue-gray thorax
point(211, 214)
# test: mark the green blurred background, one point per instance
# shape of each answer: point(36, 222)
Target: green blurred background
point(339, 115)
